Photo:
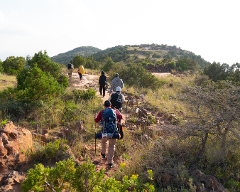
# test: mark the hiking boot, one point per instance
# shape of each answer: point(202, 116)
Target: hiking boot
point(111, 165)
point(103, 156)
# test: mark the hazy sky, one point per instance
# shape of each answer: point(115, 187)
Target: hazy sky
point(209, 28)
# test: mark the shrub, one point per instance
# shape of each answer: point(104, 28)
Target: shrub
point(135, 75)
point(1, 67)
point(51, 152)
point(43, 61)
point(35, 84)
point(85, 95)
point(64, 176)
point(12, 65)
point(172, 64)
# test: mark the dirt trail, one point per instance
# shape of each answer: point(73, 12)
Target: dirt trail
point(90, 80)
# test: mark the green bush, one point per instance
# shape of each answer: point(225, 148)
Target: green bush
point(84, 95)
point(49, 153)
point(136, 75)
point(172, 64)
point(1, 66)
point(12, 65)
point(65, 175)
point(108, 63)
point(43, 61)
point(34, 84)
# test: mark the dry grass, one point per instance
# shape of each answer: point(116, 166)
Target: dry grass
point(166, 97)
point(7, 81)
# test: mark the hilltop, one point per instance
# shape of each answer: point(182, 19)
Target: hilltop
point(145, 53)
point(64, 58)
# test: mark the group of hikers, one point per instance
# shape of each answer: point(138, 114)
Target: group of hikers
point(110, 117)
point(80, 71)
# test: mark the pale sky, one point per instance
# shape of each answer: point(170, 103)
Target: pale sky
point(209, 28)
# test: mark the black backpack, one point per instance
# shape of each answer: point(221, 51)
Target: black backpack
point(69, 66)
point(116, 101)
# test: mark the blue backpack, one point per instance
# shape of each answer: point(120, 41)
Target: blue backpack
point(109, 121)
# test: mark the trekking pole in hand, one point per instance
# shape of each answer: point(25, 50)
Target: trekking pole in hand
point(95, 139)
point(95, 135)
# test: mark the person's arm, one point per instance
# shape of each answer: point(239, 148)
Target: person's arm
point(99, 117)
point(123, 99)
point(119, 116)
point(122, 84)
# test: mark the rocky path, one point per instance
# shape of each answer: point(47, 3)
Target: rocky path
point(90, 80)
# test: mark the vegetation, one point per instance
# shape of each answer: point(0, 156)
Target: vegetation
point(64, 58)
point(12, 65)
point(217, 72)
point(1, 66)
point(188, 142)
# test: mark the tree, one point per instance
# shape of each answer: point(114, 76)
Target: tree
point(187, 63)
point(12, 65)
point(78, 60)
point(34, 84)
point(215, 115)
point(216, 71)
point(172, 64)
point(43, 61)
point(1, 67)
point(108, 64)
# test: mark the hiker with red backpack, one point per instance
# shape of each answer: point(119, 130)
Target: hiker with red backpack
point(117, 99)
point(108, 118)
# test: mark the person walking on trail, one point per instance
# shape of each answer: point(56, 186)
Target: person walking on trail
point(109, 118)
point(102, 82)
point(70, 68)
point(81, 71)
point(116, 82)
point(117, 99)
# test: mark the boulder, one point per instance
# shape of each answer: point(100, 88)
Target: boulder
point(12, 181)
point(14, 142)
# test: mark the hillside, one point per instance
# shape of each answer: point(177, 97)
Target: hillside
point(148, 53)
point(64, 58)
point(145, 53)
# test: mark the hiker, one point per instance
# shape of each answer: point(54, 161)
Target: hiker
point(109, 118)
point(117, 99)
point(116, 82)
point(81, 71)
point(70, 69)
point(102, 82)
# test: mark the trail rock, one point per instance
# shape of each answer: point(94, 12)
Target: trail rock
point(12, 182)
point(14, 142)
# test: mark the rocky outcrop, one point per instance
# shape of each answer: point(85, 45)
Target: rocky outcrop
point(14, 142)
point(12, 181)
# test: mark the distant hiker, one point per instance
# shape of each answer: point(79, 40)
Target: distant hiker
point(109, 118)
point(116, 82)
point(117, 99)
point(81, 71)
point(70, 69)
point(102, 83)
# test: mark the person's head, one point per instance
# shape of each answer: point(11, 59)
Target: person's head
point(118, 90)
point(116, 75)
point(107, 103)
point(103, 73)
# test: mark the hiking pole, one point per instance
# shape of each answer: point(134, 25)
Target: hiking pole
point(95, 135)
point(95, 139)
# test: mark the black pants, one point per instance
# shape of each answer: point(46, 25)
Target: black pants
point(80, 75)
point(102, 88)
